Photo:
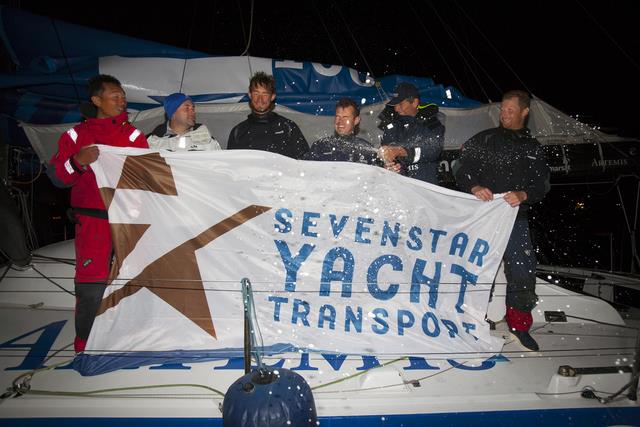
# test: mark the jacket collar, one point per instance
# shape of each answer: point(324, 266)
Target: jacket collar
point(262, 118)
point(108, 123)
point(522, 132)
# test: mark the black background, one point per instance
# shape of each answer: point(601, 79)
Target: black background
point(580, 57)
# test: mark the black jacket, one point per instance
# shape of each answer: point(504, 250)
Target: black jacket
point(504, 160)
point(269, 132)
point(422, 137)
point(339, 148)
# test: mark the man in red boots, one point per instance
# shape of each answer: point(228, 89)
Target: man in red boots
point(507, 159)
point(70, 167)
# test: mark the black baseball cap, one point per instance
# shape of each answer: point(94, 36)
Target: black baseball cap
point(404, 91)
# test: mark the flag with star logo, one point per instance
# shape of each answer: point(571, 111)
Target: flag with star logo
point(342, 257)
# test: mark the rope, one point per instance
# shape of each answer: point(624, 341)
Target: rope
point(93, 393)
point(20, 388)
point(32, 179)
point(4, 273)
point(66, 59)
point(184, 66)
point(626, 55)
point(279, 292)
point(49, 280)
point(605, 400)
point(248, 41)
point(435, 45)
point(358, 374)
point(68, 261)
point(457, 45)
point(381, 93)
point(603, 323)
point(249, 65)
point(99, 392)
point(326, 30)
point(147, 284)
point(492, 46)
point(630, 230)
point(30, 234)
point(268, 291)
point(24, 388)
point(364, 59)
point(246, 49)
point(193, 24)
point(584, 389)
point(413, 382)
point(184, 69)
point(519, 354)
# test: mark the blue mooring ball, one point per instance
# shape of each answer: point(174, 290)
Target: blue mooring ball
point(269, 398)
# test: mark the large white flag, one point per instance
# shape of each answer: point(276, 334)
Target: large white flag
point(343, 257)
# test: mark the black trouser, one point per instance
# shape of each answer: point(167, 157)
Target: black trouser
point(93, 258)
point(520, 268)
point(88, 299)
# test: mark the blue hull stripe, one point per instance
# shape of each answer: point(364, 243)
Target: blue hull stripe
point(548, 418)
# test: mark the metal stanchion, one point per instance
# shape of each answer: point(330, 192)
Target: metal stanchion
point(633, 389)
point(246, 285)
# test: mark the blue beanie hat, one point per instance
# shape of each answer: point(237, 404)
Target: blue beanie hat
point(173, 102)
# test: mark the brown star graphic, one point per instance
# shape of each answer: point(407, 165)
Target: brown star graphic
point(148, 172)
point(175, 276)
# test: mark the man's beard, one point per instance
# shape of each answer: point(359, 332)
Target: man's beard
point(256, 111)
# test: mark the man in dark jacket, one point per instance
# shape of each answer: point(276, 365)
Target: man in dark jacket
point(344, 145)
point(507, 159)
point(264, 129)
point(413, 140)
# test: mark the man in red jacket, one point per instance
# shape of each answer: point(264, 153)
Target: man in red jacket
point(70, 167)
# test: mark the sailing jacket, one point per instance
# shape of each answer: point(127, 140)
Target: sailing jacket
point(342, 148)
point(198, 138)
point(422, 137)
point(269, 132)
point(504, 160)
point(65, 172)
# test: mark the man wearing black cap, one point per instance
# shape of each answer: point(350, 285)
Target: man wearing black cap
point(181, 132)
point(413, 140)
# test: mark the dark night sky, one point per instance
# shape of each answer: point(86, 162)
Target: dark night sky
point(581, 57)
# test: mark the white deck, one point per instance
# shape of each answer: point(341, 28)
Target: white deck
point(519, 380)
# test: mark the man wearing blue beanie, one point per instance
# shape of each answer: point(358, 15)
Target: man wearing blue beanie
point(181, 132)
